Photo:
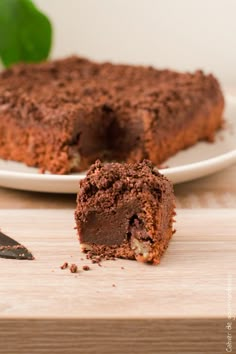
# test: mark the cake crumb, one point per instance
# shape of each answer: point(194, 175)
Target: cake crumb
point(73, 268)
point(85, 267)
point(64, 265)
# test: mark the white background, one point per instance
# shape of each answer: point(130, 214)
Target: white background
point(180, 34)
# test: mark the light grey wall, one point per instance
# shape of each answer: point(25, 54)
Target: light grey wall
point(181, 34)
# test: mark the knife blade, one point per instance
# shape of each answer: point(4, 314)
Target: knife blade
point(10, 248)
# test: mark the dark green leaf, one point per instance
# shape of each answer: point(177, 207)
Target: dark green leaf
point(25, 32)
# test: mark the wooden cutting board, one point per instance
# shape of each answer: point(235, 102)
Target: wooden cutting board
point(126, 307)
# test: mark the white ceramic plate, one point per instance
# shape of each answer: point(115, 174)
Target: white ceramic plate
point(200, 160)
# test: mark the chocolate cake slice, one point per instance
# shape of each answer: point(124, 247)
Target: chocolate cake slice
point(125, 211)
point(62, 115)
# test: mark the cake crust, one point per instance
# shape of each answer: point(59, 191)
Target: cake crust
point(63, 115)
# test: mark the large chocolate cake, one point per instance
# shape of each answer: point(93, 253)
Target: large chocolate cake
point(62, 115)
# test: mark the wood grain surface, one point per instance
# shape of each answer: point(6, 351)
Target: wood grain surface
point(179, 306)
point(113, 336)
